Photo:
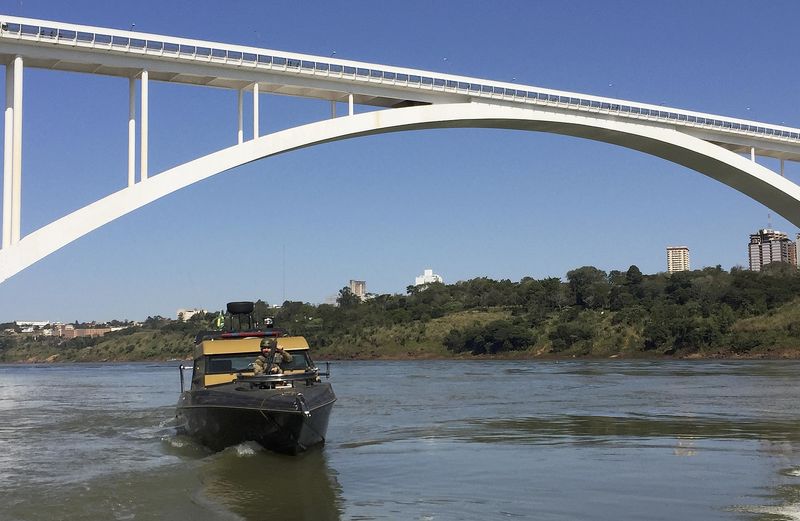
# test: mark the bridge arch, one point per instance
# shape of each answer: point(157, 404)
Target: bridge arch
point(748, 177)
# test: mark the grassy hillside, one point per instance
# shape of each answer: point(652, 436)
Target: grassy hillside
point(139, 345)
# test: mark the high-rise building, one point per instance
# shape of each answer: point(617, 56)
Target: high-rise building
point(770, 246)
point(677, 258)
point(359, 288)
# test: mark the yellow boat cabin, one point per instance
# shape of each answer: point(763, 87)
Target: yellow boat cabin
point(221, 360)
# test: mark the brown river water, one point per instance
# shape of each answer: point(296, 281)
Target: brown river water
point(418, 440)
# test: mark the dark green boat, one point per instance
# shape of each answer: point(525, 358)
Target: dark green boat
point(286, 409)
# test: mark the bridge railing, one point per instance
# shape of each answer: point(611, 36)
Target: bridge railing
point(238, 56)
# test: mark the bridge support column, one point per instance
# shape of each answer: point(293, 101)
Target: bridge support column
point(16, 151)
point(350, 104)
point(131, 131)
point(144, 123)
point(239, 105)
point(782, 168)
point(753, 154)
point(255, 111)
point(333, 109)
point(8, 154)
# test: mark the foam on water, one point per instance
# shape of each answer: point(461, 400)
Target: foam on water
point(791, 512)
point(245, 450)
point(176, 442)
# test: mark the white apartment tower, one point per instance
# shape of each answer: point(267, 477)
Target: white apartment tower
point(677, 259)
point(184, 315)
point(427, 277)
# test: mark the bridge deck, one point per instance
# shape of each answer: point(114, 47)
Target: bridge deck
point(93, 50)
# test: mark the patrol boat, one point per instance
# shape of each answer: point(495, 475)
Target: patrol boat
point(285, 410)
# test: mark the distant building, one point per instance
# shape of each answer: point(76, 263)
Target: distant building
point(359, 288)
point(32, 323)
point(796, 256)
point(68, 331)
point(185, 314)
point(677, 259)
point(90, 332)
point(768, 246)
point(427, 277)
point(33, 326)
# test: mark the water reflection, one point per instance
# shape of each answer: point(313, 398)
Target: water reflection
point(539, 430)
point(257, 485)
point(568, 429)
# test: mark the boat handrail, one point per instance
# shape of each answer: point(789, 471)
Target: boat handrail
point(181, 369)
point(271, 380)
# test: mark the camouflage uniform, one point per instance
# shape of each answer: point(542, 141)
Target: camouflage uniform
point(260, 365)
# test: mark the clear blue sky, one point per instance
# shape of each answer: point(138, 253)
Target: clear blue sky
point(467, 203)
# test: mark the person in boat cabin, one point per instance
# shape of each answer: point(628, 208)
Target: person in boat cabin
point(262, 361)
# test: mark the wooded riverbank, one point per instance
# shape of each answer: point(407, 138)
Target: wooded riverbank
point(709, 313)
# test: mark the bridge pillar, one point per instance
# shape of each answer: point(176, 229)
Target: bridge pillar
point(239, 105)
point(16, 152)
point(350, 104)
point(8, 154)
point(131, 131)
point(144, 123)
point(255, 110)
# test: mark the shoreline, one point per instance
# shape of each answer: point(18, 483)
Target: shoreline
point(527, 357)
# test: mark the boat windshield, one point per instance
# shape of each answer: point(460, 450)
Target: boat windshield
point(219, 364)
point(235, 363)
point(300, 362)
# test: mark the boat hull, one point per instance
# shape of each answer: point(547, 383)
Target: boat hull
point(284, 421)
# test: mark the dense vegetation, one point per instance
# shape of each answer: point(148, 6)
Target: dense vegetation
point(708, 312)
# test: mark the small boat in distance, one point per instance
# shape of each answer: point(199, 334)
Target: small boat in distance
point(253, 382)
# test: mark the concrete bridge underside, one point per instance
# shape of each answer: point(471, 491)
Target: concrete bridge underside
point(746, 176)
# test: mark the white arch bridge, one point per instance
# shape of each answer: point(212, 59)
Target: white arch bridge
point(722, 148)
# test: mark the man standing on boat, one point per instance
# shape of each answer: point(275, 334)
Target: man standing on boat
point(268, 362)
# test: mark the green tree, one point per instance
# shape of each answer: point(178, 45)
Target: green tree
point(589, 287)
point(494, 337)
point(576, 329)
point(347, 299)
point(633, 277)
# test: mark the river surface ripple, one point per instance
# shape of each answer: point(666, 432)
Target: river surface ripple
point(416, 440)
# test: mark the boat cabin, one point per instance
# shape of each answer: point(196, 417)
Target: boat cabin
point(223, 360)
point(221, 357)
